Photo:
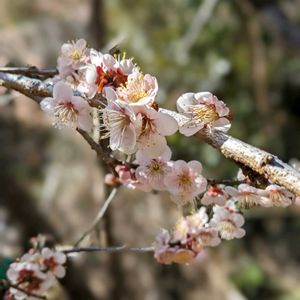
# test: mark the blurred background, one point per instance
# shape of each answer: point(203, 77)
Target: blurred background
point(244, 51)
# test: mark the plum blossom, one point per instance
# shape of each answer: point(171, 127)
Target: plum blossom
point(74, 55)
point(215, 195)
point(66, 109)
point(152, 171)
point(204, 110)
point(155, 126)
point(167, 253)
point(278, 196)
point(122, 126)
point(185, 181)
point(105, 71)
point(186, 243)
point(248, 196)
point(29, 277)
point(52, 262)
point(227, 221)
point(127, 178)
point(139, 89)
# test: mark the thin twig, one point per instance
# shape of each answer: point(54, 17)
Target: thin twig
point(108, 249)
point(7, 284)
point(98, 217)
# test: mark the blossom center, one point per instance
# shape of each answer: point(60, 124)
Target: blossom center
point(227, 227)
point(205, 113)
point(114, 78)
point(29, 281)
point(215, 191)
point(50, 263)
point(184, 181)
point(66, 113)
point(155, 167)
point(76, 54)
point(133, 90)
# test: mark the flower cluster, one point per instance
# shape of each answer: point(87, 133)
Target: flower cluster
point(136, 130)
point(35, 273)
point(190, 236)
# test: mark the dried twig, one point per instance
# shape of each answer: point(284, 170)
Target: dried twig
point(99, 216)
point(108, 249)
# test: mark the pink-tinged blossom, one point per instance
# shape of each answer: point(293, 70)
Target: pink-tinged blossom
point(105, 71)
point(155, 126)
point(29, 277)
point(152, 171)
point(278, 196)
point(227, 221)
point(52, 262)
point(139, 89)
point(166, 252)
point(74, 55)
point(185, 181)
point(122, 126)
point(208, 237)
point(247, 196)
point(215, 195)
point(66, 109)
point(204, 110)
point(128, 179)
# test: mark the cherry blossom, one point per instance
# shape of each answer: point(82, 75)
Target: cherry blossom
point(74, 56)
point(248, 196)
point(105, 71)
point(128, 179)
point(166, 252)
point(152, 171)
point(122, 126)
point(227, 221)
point(204, 110)
point(278, 196)
point(53, 261)
point(139, 89)
point(66, 109)
point(29, 277)
point(215, 195)
point(185, 181)
point(155, 126)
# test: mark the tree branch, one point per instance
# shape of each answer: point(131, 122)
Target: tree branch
point(262, 162)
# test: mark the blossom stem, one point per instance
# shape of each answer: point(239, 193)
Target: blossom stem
point(98, 217)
